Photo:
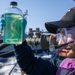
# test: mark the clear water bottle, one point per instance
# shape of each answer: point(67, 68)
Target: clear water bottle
point(13, 28)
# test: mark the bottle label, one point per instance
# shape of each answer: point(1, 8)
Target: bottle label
point(13, 29)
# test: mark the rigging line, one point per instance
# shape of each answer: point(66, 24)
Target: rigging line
point(6, 53)
point(12, 68)
point(2, 45)
point(7, 64)
point(71, 72)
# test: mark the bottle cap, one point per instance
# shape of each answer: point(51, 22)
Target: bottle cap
point(13, 3)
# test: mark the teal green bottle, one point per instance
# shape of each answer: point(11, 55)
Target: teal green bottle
point(13, 28)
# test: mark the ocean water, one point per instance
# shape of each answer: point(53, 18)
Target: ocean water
point(6, 65)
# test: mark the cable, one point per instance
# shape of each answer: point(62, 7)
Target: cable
point(12, 69)
point(6, 53)
point(3, 46)
point(7, 64)
point(71, 72)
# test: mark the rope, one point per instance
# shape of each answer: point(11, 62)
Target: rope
point(6, 53)
point(7, 64)
point(71, 72)
point(3, 46)
point(12, 69)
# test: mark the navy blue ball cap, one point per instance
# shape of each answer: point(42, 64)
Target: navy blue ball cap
point(68, 20)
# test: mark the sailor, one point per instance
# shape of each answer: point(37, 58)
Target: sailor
point(38, 66)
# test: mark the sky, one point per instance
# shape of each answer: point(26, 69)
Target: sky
point(40, 11)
